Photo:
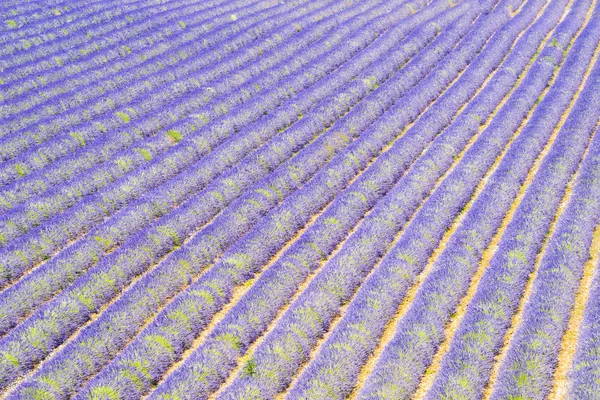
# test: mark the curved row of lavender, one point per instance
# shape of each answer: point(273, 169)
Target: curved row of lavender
point(301, 199)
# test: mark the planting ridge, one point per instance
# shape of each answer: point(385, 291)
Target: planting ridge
point(300, 199)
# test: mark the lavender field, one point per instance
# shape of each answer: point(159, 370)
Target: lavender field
point(299, 199)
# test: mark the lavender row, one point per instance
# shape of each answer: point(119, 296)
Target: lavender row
point(15, 7)
point(16, 18)
point(584, 382)
point(167, 39)
point(73, 24)
point(140, 344)
point(71, 49)
point(26, 21)
point(146, 48)
point(120, 266)
point(465, 369)
point(334, 371)
point(101, 79)
point(155, 280)
point(178, 44)
point(250, 317)
point(257, 166)
point(527, 369)
point(126, 161)
point(18, 68)
point(330, 108)
point(154, 174)
point(38, 157)
point(296, 334)
point(228, 37)
point(119, 140)
point(31, 11)
point(254, 80)
point(155, 56)
point(86, 218)
point(420, 331)
point(236, 266)
point(107, 147)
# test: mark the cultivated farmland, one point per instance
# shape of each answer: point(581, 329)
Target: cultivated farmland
point(299, 199)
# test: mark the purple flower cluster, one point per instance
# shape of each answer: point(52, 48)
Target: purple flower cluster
point(465, 369)
point(334, 370)
point(131, 182)
point(149, 246)
point(421, 329)
point(527, 369)
point(305, 199)
point(584, 373)
point(57, 273)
